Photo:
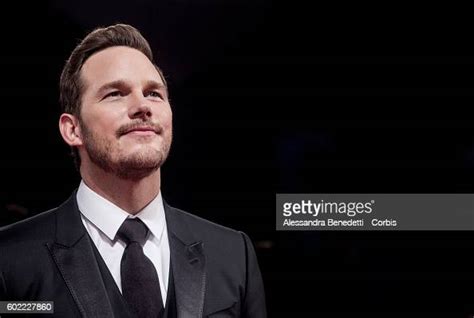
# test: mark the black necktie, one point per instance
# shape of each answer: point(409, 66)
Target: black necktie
point(140, 283)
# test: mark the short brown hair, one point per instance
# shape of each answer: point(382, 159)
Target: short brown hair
point(70, 85)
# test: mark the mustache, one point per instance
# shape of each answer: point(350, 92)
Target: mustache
point(156, 127)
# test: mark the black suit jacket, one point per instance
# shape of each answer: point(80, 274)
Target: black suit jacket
point(51, 257)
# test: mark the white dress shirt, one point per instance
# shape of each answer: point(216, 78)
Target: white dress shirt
point(103, 219)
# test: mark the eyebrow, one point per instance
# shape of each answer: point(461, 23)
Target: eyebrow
point(156, 85)
point(121, 84)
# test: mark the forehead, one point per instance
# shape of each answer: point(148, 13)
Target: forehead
point(118, 63)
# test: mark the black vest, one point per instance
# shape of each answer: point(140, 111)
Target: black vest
point(119, 305)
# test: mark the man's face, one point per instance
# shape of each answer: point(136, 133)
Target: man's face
point(126, 118)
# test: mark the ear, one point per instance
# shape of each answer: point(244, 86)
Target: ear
point(70, 129)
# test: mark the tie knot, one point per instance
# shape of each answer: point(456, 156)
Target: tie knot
point(133, 230)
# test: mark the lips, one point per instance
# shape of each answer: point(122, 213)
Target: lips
point(141, 133)
point(141, 130)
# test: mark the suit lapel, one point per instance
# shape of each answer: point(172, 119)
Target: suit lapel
point(74, 256)
point(188, 265)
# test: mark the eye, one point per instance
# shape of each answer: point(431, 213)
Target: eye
point(154, 94)
point(113, 94)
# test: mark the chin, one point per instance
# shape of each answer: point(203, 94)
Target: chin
point(148, 159)
point(142, 149)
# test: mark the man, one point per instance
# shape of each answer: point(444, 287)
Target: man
point(115, 248)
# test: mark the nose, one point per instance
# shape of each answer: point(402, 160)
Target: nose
point(140, 107)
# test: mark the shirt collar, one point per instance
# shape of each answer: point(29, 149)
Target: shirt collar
point(108, 217)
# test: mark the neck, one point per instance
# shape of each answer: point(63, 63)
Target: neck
point(130, 195)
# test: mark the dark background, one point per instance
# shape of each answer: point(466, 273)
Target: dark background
point(277, 97)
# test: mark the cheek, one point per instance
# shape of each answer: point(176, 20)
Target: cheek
point(167, 119)
point(102, 122)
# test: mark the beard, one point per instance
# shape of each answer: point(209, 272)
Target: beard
point(132, 167)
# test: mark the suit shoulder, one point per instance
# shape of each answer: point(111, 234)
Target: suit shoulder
point(227, 251)
point(200, 224)
point(215, 236)
point(40, 225)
